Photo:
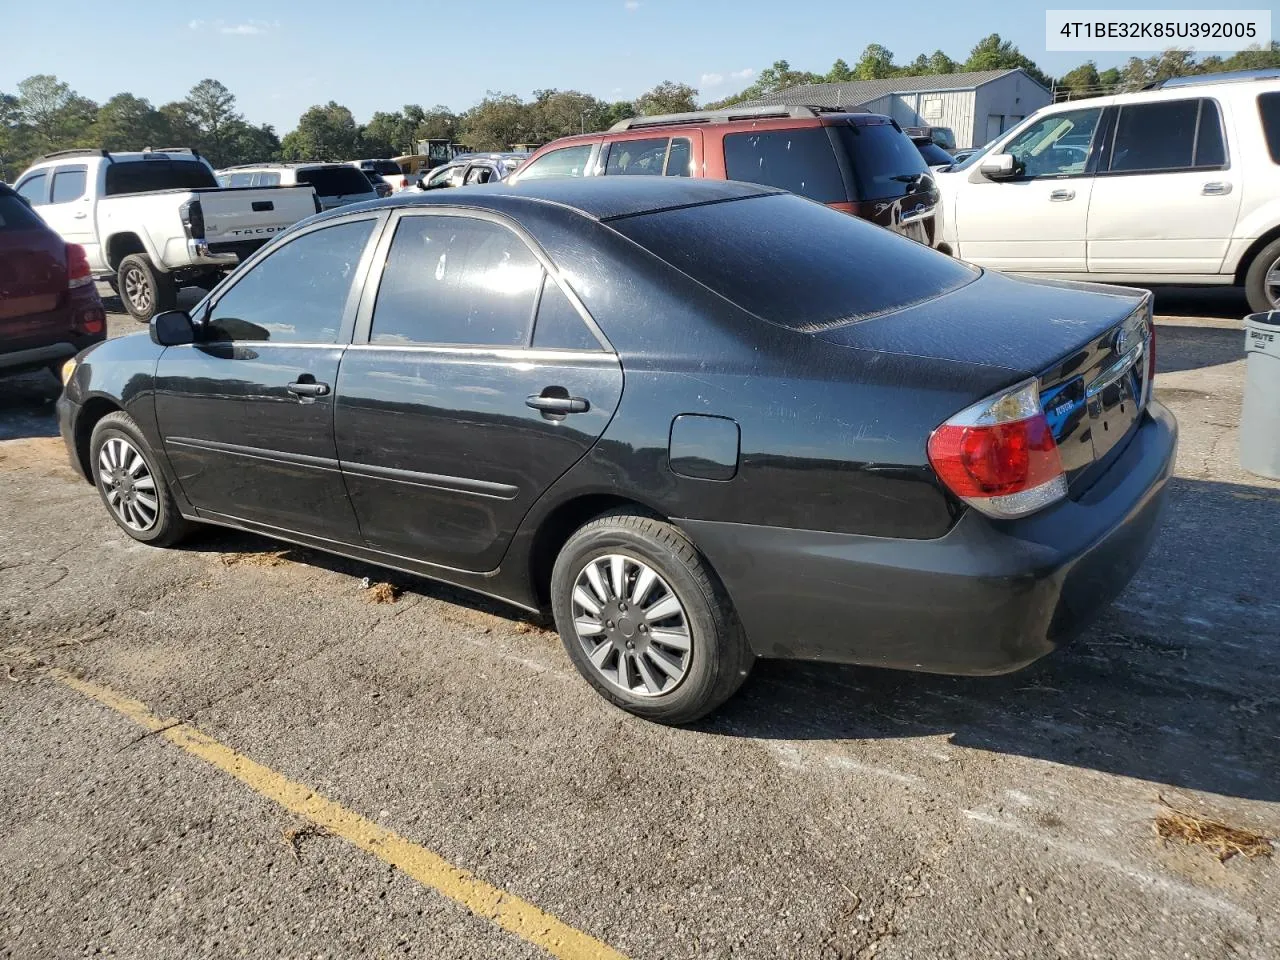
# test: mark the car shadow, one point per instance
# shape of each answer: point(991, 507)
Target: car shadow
point(1174, 684)
point(1221, 303)
point(1191, 348)
point(27, 401)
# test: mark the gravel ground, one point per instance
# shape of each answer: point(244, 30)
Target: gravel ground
point(826, 812)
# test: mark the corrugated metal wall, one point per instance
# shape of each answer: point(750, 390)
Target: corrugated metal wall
point(1005, 101)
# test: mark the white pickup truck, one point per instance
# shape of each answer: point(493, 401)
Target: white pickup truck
point(156, 221)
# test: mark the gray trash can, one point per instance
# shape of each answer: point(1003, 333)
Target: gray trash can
point(1260, 421)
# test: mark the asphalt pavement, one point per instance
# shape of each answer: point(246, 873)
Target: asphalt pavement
point(232, 749)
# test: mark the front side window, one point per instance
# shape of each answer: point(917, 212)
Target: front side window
point(1054, 146)
point(68, 184)
point(637, 157)
point(801, 161)
point(1167, 135)
point(456, 280)
point(565, 162)
point(441, 176)
point(1269, 113)
point(297, 294)
point(35, 189)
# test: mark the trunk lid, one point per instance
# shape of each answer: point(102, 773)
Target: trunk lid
point(1087, 344)
point(33, 278)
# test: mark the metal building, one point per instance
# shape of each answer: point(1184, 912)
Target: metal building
point(977, 107)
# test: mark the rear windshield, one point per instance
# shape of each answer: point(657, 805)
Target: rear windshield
point(384, 168)
point(801, 161)
point(335, 181)
point(140, 176)
point(795, 263)
point(885, 162)
point(16, 215)
point(933, 154)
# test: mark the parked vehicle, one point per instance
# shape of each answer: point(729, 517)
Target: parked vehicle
point(155, 221)
point(1179, 184)
point(833, 443)
point(335, 184)
point(473, 168)
point(380, 186)
point(860, 163)
point(944, 137)
point(49, 306)
point(387, 171)
point(934, 155)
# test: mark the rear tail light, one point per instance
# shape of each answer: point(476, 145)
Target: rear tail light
point(90, 320)
point(192, 219)
point(78, 272)
point(999, 455)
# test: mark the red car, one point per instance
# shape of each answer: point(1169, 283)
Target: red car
point(49, 307)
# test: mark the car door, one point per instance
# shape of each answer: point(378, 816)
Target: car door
point(70, 208)
point(1166, 198)
point(1036, 220)
point(454, 414)
point(246, 412)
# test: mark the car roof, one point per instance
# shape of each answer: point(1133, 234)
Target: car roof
point(598, 198)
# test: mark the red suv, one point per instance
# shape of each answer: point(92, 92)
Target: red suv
point(49, 307)
point(861, 163)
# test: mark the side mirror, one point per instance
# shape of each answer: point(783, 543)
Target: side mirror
point(998, 166)
point(172, 328)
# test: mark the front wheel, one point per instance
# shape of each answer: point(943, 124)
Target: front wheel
point(144, 290)
point(645, 619)
point(1262, 281)
point(132, 487)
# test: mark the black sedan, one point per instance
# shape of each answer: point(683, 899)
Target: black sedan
point(701, 422)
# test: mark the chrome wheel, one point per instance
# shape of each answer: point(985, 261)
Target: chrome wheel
point(1271, 284)
point(127, 484)
point(631, 625)
point(137, 289)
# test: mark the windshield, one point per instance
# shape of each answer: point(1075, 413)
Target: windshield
point(141, 176)
point(795, 263)
point(335, 181)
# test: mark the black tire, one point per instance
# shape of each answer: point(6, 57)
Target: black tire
point(143, 289)
point(718, 659)
point(1255, 279)
point(167, 526)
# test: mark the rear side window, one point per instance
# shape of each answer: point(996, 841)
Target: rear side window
point(140, 176)
point(266, 179)
point(1168, 135)
point(16, 215)
point(637, 157)
point(385, 168)
point(241, 180)
point(796, 264)
point(680, 158)
point(559, 326)
point(565, 162)
point(801, 161)
point(35, 189)
point(68, 184)
point(336, 181)
point(456, 280)
point(1269, 111)
point(886, 164)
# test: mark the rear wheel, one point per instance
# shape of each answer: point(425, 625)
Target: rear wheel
point(645, 619)
point(144, 290)
point(1262, 281)
point(132, 488)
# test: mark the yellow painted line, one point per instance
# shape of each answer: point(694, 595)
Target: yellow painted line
point(431, 870)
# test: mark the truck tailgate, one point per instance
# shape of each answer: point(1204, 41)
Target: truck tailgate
point(237, 214)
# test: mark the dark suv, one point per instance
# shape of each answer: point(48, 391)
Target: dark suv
point(861, 163)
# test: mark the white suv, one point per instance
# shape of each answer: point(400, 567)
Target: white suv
point(335, 184)
point(1179, 184)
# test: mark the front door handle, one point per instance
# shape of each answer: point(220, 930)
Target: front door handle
point(554, 404)
point(308, 388)
point(1062, 195)
point(1216, 189)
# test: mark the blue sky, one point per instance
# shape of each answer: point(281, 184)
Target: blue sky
point(281, 57)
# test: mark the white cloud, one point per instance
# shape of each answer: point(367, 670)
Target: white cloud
point(746, 74)
point(250, 28)
point(715, 79)
point(195, 24)
point(711, 80)
point(632, 6)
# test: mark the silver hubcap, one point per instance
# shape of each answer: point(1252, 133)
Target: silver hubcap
point(137, 289)
point(128, 485)
point(631, 625)
point(1271, 284)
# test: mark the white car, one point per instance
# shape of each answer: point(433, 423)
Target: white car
point(1174, 185)
point(335, 184)
point(155, 221)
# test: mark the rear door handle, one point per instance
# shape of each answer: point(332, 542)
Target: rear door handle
point(305, 388)
point(1216, 189)
point(1062, 195)
point(558, 404)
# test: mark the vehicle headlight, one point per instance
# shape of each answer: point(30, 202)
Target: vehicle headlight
point(68, 369)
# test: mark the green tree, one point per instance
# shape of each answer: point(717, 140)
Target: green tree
point(1109, 77)
point(245, 143)
point(16, 138)
point(126, 122)
point(780, 76)
point(326, 132)
point(1082, 81)
point(840, 72)
point(939, 62)
point(496, 122)
point(993, 53)
point(1254, 58)
point(438, 123)
point(57, 115)
point(667, 97)
point(876, 63)
point(386, 135)
point(210, 115)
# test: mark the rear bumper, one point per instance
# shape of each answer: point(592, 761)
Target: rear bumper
point(987, 598)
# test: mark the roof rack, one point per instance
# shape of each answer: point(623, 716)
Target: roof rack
point(77, 152)
point(731, 113)
point(1230, 76)
point(194, 153)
